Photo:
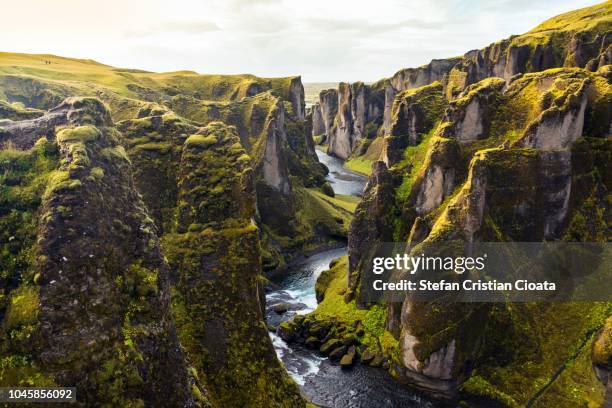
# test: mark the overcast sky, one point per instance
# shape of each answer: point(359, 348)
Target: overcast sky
point(323, 40)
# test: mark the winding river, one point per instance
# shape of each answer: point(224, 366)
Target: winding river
point(324, 383)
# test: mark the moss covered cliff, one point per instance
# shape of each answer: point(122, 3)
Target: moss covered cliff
point(510, 144)
point(131, 308)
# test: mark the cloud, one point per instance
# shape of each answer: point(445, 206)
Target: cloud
point(366, 26)
point(324, 40)
point(180, 27)
point(252, 3)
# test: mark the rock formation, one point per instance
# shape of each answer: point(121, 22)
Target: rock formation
point(576, 39)
point(197, 179)
point(91, 315)
point(521, 190)
point(360, 108)
point(502, 148)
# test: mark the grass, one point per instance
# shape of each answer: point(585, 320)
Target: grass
point(360, 165)
point(363, 164)
point(579, 20)
point(126, 87)
point(333, 306)
point(346, 203)
point(414, 157)
point(317, 208)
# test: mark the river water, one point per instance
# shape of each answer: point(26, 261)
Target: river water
point(324, 383)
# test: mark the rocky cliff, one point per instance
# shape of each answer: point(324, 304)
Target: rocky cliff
point(358, 116)
point(576, 39)
point(514, 151)
point(268, 113)
point(86, 295)
point(324, 114)
point(182, 179)
point(503, 164)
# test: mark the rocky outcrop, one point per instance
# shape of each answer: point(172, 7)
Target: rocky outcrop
point(506, 163)
point(438, 178)
point(201, 183)
point(562, 123)
point(341, 139)
point(415, 113)
point(296, 97)
point(103, 317)
point(214, 256)
point(564, 41)
point(96, 313)
point(318, 125)
point(372, 224)
point(469, 116)
point(360, 110)
point(23, 134)
point(271, 159)
point(590, 52)
point(328, 100)
point(409, 78)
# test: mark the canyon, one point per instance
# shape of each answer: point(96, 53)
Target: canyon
point(177, 239)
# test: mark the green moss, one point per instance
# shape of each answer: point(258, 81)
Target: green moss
point(24, 176)
point(83, 134)
point(539, 341)
point(60, 181)
point(141, 280)
point(362, 163)
point(602, 346)
point(116, 152)
point(97, 173)
point(359, 165)
point(412, 165)
point(22, 309)
point(477, 386)
point(161, 148)
point(341, 202)
point(201, 141)
point(334, 308)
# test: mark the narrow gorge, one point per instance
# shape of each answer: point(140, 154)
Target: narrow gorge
point(200, 240)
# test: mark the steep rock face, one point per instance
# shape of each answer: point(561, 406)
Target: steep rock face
point(359, 113)
point(435, 71)
point(576, 39)
point(154, 144)
point(469, 116)
point(415, 113)
point(97, 309)
point(271, 156)
point(439, 177)
point(371, 224)
point(296, 97)
point(512, 172)
point(214, 255)
point(280, 148)
point(318, 125)
point(201, 184)
point(562, 123)
point(328, 100)
point(341, 140)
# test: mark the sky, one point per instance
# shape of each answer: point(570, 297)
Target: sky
point(322, 40)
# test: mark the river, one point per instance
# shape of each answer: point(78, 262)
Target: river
point(325, 383)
